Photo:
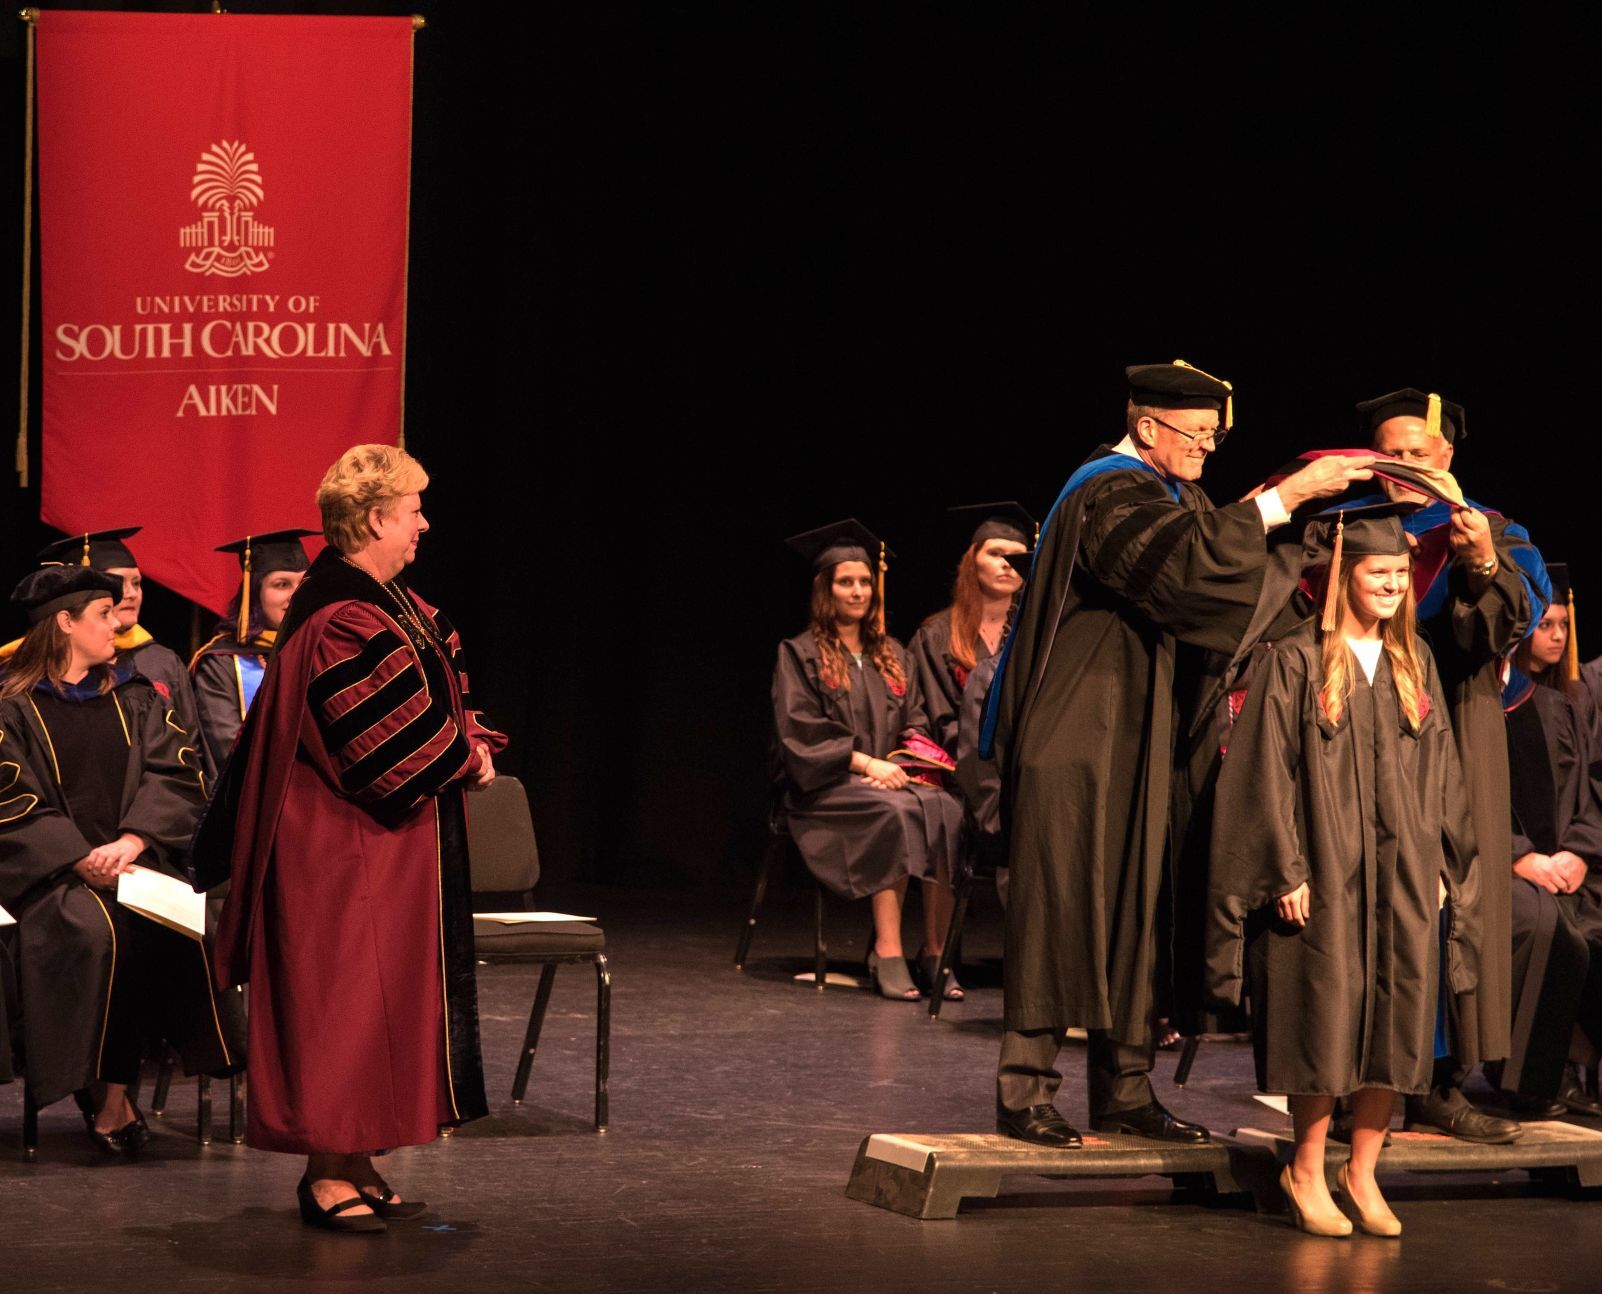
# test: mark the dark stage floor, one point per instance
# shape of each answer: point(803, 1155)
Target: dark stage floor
point(738, 1103)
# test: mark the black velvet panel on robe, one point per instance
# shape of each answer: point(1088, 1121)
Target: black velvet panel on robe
point(1371, 815)
point(1087, 732)
point(855, 838)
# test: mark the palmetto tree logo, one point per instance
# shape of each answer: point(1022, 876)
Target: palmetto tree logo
point(227, 237)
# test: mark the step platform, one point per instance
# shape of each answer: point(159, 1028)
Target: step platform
point(928, 1177)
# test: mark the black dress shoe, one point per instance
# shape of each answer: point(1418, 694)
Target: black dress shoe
point(1457, 1118)
point(1041, 1124)
point(1533, 1107)
point(1576, 1100)
point(1152, 1120)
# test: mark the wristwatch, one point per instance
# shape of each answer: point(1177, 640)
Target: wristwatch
point(1482, 568)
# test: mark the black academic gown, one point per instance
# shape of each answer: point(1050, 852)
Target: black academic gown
point(1087, 730)
point(65, 941)
point(219, 691)
point(855, 838)
point(1470, 639)
point(940, 679)
point(1557, 938)
point(164, 670)
point(1369, 814)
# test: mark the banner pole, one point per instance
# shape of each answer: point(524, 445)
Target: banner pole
point(418, 23)
point(31, 18)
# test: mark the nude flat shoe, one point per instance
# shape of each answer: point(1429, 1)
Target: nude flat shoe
point(1381, 1222)
point(1333, 1223)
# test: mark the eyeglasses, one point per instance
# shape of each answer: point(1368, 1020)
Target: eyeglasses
point(1217, 434)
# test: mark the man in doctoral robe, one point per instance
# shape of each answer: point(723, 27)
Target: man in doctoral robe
point(1083, 724)
point(1480, 585)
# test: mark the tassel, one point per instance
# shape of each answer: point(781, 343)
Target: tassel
point(1432, 416)
point(1571, 649)
point(1229, 389)
point(244, 596)
point(85, 560)
point(1328, 623)
point(883, 567)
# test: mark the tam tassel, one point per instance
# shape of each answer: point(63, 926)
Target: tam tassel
point(1432, 416)
point(244, 595)
point(1571, 649)
point(85, 559)
point(878, 618)
point(1328, 622)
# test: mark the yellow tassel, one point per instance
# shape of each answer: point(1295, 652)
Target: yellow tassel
point(1432, 416)
point(883, 567)
point(1571, 649)
point(85, 560)
point(244, 596)
point(1328, 623)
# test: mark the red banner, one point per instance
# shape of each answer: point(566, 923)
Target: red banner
point(223, 211)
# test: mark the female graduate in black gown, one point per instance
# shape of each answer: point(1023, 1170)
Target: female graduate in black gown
point(1341, 829)
point(953, 642)
point(229, 668)
point(96, 777)
point(1557, 870)
point(844, 697)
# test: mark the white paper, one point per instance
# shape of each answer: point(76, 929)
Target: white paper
point(163, 898)
point(522, 918)
point(6, 919)
point(1280, 1103)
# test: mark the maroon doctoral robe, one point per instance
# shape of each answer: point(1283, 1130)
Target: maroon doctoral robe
point(342, 815)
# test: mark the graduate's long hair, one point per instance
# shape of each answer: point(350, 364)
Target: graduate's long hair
point(1397, 634)
point(834, 660)
point(44, 655)
point(967, 609)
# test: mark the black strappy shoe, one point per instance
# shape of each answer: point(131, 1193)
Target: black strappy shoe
point(385, 1205)
point(131, 1136)
point(329, 1219)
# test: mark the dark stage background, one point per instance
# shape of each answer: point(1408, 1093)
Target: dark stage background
point(685, 279)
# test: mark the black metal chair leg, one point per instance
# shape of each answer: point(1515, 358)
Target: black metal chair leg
point(820, 948)
point(203, 1111)
point(603, 1038)
point(1187, 1058)
point(236, 1108)
point(950, 949)
point(158, 1098)
point(531, 1040)
point(30, 1125)
point(773, 852)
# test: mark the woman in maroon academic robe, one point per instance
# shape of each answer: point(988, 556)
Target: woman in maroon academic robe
point(343, 816)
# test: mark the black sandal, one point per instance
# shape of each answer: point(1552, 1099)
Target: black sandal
point(314, 1215)
point(929, 964)
point(382, 1205)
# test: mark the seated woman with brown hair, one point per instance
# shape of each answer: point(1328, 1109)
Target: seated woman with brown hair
point(844, 698)
point(96, 778)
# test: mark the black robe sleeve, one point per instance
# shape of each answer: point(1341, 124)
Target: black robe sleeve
point(937, 686)
point(1463, 871)
point(915, 713)
point(37, 840)
point(1493, 623)
point(1257, 849)
point(167, 802)
point(814, 746)
point(217, 702)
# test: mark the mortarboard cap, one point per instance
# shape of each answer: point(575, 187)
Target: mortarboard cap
point(1008, 519)
point(1441, 417)
point(276, 550)
point(1563, 595)
point(57, 587)
point(1180, 386)
point(845, 541)
point(101, 549)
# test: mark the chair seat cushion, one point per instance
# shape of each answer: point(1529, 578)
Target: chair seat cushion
point(536, 938)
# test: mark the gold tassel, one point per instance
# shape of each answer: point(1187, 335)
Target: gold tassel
point(85, 560)
point(1571, 649)
point(1334, 574)
point(883, 567)
point(244, 596)
point(1432, 416)
point(1229, 389)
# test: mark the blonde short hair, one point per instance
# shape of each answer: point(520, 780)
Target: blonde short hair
point(365, 477)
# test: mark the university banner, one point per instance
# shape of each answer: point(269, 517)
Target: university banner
point(223, 223)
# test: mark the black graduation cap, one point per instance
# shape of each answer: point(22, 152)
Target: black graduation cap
point(1441, 417)
point(1007, 519)
point(101, 549)
point(845, 541)
point(49, 589)
point(1562, 590)
point(276, 550)
point(1180, 386)
point(1023, 562)
point(1563, 596)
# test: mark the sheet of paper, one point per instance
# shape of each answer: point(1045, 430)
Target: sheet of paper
point(521, 918)
point(1280, 1103)
point(165, 899)
point(6, 919)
